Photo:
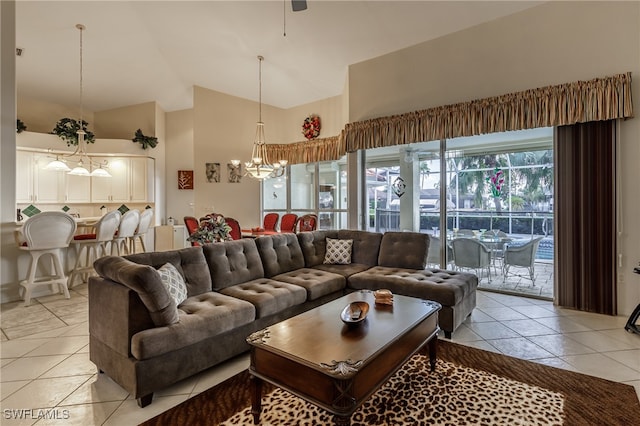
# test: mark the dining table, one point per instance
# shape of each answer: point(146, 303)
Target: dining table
point(257, 232)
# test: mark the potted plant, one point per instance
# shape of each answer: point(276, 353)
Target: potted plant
point(20, 126)
point(145, 141)
point(67, 130)
point(211, 230)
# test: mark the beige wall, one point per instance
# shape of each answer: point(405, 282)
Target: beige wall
point(554, 43)
point(122, 123)
point(179, 156)
point(332, 119)
point(42, 116)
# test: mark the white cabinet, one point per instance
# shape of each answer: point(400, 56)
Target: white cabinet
point(77, 189)
point(24, 177)
point(130, 181)
point(170, 237)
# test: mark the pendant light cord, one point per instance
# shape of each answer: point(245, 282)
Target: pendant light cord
point(260, 58)
point(81, 28)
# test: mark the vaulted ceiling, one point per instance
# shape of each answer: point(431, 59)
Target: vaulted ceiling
point(140, 51)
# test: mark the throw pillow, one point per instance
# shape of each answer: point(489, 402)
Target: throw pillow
point(173, 282)
point(338, 252)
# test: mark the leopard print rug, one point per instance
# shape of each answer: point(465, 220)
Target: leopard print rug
point(452, 395)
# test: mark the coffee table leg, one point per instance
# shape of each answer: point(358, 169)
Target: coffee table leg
point(433, 348)
point(256, 399)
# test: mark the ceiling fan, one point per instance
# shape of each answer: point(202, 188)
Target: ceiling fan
point(298, 5)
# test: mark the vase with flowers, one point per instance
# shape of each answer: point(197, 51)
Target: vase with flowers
point(211, 230)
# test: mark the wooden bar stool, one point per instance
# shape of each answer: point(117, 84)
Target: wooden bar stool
point(46, 233)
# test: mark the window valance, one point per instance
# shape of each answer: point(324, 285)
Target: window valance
point(324, 149)
point(581, 101)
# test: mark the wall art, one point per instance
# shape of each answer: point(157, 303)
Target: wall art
point(234, 173)
point(185, 179)
point(213, 172)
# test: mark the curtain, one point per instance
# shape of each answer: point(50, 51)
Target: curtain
point(585, 202)
point(325, 149)
point(581, 101)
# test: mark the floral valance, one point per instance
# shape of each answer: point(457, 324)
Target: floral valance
point(325, 149)
point(570, 103)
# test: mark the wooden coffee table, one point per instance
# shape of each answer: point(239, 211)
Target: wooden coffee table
point(337, 366)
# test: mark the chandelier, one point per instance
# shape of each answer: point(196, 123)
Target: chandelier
point(80, 152)
point(259, 167)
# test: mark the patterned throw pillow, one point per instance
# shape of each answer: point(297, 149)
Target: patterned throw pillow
point(338, 252)
point(173, 282)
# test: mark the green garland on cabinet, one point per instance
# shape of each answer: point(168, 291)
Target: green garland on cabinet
point(145, 141)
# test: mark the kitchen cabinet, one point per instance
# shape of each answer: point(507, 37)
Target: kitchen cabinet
point(131, 180)
point(170, 237)
point(34, 184)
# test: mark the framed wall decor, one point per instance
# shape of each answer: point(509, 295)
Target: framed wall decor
point(234, 173)
point(185, 179)
point(213, 172)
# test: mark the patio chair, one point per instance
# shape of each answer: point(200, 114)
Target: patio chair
point(433, 256)
point(471, 253)
point(522, 256)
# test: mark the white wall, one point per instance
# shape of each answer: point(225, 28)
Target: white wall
point(179, 156)
point(557, 42)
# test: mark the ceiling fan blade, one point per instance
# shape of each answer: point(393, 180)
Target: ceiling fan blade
point(298, 5)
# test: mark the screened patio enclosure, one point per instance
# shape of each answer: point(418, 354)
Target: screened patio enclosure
point(498, 184)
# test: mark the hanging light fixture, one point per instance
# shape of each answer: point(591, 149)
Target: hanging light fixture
point(81, 150)
point(259, 167)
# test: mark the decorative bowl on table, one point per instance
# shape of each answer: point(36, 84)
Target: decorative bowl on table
point(354, 312)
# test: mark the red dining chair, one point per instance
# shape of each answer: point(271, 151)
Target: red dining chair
point(235, 233)
point(270, 221)
point(308, 222)
point(288, 222)
point(192, 225)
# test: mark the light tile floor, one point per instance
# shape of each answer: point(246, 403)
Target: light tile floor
point(45, 364)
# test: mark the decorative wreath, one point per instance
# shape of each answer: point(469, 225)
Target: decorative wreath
point(311, 127)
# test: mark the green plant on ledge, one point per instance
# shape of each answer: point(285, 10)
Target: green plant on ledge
point(145, 141)
point(20, 126)
point(67, 130)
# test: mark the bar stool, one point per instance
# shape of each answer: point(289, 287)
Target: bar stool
point(143, 227)
point(95, 245)
point(128, 225)
point(46, 233)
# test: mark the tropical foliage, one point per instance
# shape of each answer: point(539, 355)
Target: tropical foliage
point(212, 229)
point(67, 130)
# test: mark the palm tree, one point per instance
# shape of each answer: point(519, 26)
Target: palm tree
point(471, 175)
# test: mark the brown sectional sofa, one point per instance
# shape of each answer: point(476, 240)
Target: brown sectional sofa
point(143, 341)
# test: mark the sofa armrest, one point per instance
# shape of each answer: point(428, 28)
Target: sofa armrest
point(116, 313)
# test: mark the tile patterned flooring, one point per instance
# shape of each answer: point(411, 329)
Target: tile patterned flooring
point(45, 368)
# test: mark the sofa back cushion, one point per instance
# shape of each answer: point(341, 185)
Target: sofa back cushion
point(190, 262)
point(407, 250)
point(314, 246)
point(233, 262)
point(280, 253)
point(366, 245)
point(144, 280)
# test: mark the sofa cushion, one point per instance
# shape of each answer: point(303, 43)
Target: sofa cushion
point(189, 262)
point(201, 317)
point(445, 287)
point(366, 245)
point(268, 296)
point(314, 245)
point(233, 262)
point(173, 282)
point(344, 270)
point(404, 250)
point(280, 254)
point(317, 283)
point(144, 280)
point(338, 252)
